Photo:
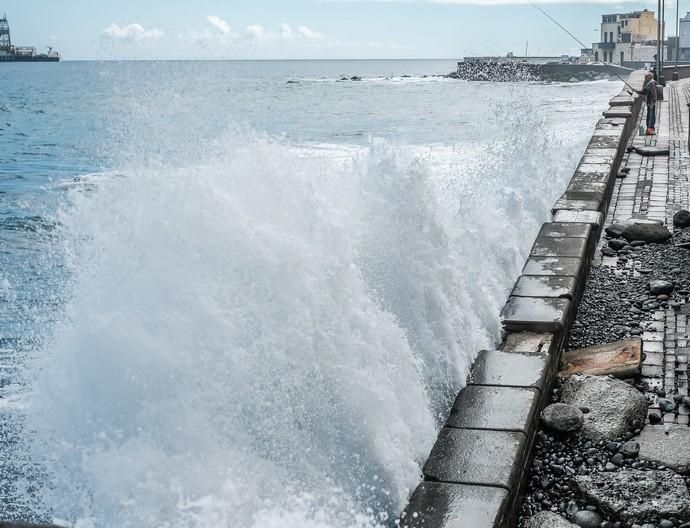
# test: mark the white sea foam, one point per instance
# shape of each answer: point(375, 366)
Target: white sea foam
point(272, 337)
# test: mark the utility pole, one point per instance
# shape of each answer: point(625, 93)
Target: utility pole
point(526, 48)
point(658, 41)
point(675, 73)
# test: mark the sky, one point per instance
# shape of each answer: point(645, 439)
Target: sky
point(308, 29)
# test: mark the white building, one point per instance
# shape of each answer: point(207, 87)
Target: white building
point(684, 44)
point(627, 37)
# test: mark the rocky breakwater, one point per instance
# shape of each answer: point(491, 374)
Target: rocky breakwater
point(615, 453)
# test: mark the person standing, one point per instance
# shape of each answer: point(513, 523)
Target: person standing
point(649, 90)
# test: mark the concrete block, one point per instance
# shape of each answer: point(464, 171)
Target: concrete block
point(603, 142)
point(559, 247)
point(594, 150)
point(440, 505)
point(595, 168)
point(527, 343)
point(583, 177)
point(565, 230)
point(479, 457)
point(558, 266)
point(594, 218)
point(622, 100)
point(598, 158)
point(495, 408)
point(545, 286)
point(591, 193)
point(535, 314)
point(616, 111)
point(510, 369)
point(609, 132)
point(574, 204)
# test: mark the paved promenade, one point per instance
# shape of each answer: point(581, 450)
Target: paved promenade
point(657, 187)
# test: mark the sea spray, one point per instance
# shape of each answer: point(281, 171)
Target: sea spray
point(258, 333)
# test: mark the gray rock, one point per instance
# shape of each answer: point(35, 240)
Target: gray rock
point(587, 519)
point(635, 496)
point(614, 405)
point(660, 287)
point(666, 405)
point(563, 418)
point(617, 244)
point(630, 449)
point(666, 445)
point(615, 230)
point(547, 519)
point(681, 218)
point(647, 232)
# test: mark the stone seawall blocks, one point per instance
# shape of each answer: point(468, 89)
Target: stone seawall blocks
point(559, 247)
point(529, 314)
point(557, 266)
point(565, 230)
point(512, 369)
point(618, 111)
point(594, 218)
point(545, 286)
point(495, 408)
point(440, 505)
point(576, 204)
point(474, 473)
point(468, 456)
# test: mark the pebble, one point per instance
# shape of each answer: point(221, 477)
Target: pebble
point(666, 405)
point(588, 519)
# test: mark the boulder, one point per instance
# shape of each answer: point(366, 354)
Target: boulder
point(681, 219)
point(660, 287)
point(617, 244)
point(636, 496)
point(667, 445)
point(646, 232)
point(563, 418)
point(588, 519)
point(547, 519)
point(613, 405)
point(630, 449)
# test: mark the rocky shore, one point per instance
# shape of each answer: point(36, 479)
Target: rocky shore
point(609, 453)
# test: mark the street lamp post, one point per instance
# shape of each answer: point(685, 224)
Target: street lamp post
point(658, 41)
point(675, 72)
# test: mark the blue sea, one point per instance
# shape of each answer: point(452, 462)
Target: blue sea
point(245, 294)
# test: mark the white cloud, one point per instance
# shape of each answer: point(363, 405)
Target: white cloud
point(286, 31)
point(221, 32)
point(257, 32)
point(220, 24)
point(309, 33)
point(132, 32)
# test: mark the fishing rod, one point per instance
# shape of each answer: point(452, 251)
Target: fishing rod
point(584, 46)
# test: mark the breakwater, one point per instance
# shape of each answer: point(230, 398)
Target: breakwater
point(474, 475)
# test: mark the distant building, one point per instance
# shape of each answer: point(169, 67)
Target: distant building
point(586, 56)
point(684, 44)
point(627, 37)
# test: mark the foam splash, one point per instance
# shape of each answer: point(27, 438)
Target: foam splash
point(272, 337)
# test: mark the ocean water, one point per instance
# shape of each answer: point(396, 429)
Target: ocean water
point(244, 294)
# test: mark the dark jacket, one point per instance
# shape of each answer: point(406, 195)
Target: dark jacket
point(649, 90)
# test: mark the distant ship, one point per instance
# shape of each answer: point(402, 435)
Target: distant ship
point(10, 53)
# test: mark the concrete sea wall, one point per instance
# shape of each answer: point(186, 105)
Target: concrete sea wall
point(475, 473)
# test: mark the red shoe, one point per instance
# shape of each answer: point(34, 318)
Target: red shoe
point(651, 132)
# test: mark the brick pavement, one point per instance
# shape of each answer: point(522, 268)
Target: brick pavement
point(656, 187)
